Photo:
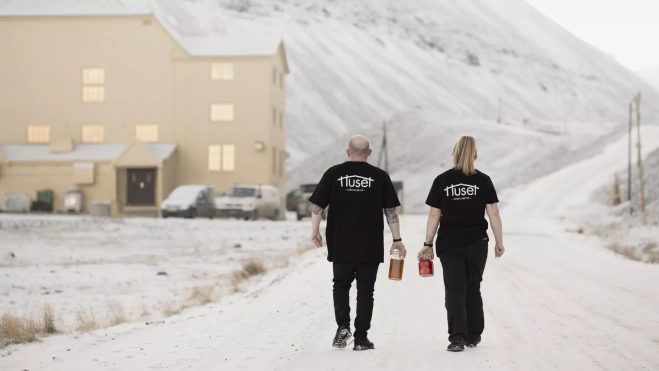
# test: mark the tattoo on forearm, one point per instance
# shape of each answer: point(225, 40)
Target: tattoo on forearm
point(317, 210)
point(392, 217)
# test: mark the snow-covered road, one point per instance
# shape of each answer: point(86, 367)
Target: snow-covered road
point(557, 300)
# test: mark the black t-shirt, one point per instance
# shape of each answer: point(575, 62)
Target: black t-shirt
point(356, 193)
point(462, 200)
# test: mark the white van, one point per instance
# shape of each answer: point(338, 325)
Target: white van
point(249, 201)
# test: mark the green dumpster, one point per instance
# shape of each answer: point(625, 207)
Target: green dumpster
point(45, 200)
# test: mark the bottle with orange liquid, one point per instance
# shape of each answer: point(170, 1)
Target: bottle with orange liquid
point(396, 266)
point(426, 266)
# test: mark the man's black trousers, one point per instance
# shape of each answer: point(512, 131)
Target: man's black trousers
point(463, 273)
point(344, 274)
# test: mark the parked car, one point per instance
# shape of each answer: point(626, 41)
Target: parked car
point(189, 201)
point(304, 207)
point(250, 201)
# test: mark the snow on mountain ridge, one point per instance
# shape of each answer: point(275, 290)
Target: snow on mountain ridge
point(355, 63)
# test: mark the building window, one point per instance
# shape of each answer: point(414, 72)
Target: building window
point(38, 134)
point(274, 160)
point(93, 134)
point(281, 80)
point(221, 71)
point(281, 119)
point(274, 76)
point(228, 157)
point(221, 112)
point(274, 116)
point(93, 80)
point(146, 133)
point(221, 157)
point(282, 162)
point(91, 94)
point(214, 157)
point(93, 76)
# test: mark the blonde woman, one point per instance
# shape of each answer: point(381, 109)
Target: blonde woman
point(458, 201)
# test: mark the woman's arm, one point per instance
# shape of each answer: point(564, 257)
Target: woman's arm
point(497, 228)
point(431, 230)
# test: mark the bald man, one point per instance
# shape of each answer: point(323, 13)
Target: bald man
point(356, 193)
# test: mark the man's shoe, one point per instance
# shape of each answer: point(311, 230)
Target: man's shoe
point(456, 346)
point(472, 344)
point(363, 344)
point(342, 336)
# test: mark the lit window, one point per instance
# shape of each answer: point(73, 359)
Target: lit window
point(146, 133)
point(221, 112)
point(221, 157)
point(214, 153)
point(93, 76)
point(93, 94)
point(228, 157)
point(93, 134)
point(38, 134)
point(221, 71)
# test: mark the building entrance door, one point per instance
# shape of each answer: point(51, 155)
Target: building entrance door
point(141, 187)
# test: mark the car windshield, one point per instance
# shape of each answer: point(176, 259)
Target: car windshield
point(241, 192)
point(308, 188)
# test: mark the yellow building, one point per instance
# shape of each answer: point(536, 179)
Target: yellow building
point(124, 103)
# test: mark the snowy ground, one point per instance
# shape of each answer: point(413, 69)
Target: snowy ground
point(61, 260)
point(558, 300)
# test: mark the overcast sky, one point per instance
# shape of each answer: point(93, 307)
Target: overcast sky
point(628, 29)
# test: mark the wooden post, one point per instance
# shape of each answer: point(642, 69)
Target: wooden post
point(640, 157)
point(616, 191)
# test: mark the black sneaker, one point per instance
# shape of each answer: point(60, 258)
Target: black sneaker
point(342, 336)
point(363, 344)
point(472, 344)
point(456, 346)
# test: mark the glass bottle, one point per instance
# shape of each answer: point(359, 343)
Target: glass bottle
point(396, 266)
point(426, 266)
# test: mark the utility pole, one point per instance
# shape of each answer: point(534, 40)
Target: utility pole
point(384, 152)
point(640, 157)
point(629, 162)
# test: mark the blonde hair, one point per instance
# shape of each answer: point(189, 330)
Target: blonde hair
point(464, 155)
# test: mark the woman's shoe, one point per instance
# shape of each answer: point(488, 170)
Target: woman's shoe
point(472, 344)
point(456, 346)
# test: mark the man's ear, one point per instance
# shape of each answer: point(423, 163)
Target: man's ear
point(348, 152)
point(370, 151)
point(475, 157)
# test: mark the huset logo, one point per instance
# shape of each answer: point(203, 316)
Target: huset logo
point(355, 182)
point(458, 190)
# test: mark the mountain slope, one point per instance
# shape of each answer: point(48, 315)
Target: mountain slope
point(355, 63)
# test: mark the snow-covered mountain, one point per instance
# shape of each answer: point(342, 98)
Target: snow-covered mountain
point(355, 63)
point(651, 76)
